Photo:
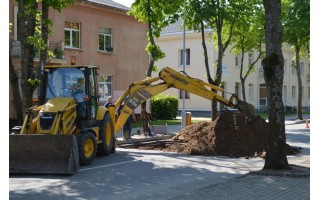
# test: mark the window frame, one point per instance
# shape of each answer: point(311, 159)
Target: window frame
point(105, 83)
point(251, 90)
point(188, 59)
point(293, 92)
point(302, 68)
point(71, 30)
point(237, 61)
point(264, 98)
point(250, 58)
point(106, 49)
point(285, 66)
point(187, 94)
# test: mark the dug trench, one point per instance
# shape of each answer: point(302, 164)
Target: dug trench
point(232, 134)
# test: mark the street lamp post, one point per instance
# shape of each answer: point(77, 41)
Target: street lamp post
point(183, 112)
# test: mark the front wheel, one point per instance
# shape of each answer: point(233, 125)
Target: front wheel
point(87, 145)
point(106, 135)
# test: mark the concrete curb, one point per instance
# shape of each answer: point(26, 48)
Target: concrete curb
point(143, 139)
point(295, 172)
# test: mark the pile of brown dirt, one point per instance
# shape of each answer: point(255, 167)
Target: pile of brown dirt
point(231, 134)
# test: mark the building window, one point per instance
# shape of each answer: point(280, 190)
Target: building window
point(105, 40)
point(237, 89)
point(302, 68)
point(284, 94)
point(186, 94)
point(105, 87)
point(263, 95)
point(293, 65)
point(294, 92)
point(250, 59)
point(285, 67)
point(236, 60)
point(250, 90)
point(187, 57)
point(72, 34)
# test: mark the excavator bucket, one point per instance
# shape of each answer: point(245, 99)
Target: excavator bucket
point(246, 107)
point(43, 154)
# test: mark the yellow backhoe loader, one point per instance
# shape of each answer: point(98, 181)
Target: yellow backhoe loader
point(70, 128)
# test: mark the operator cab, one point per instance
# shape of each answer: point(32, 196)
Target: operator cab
point(78, 82)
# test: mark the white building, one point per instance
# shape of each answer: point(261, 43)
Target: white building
point(171, 42)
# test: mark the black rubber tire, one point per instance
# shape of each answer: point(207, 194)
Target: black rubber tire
point(108, 141)
point(87, 153)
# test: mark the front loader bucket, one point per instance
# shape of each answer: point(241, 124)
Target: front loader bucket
point(43, 154)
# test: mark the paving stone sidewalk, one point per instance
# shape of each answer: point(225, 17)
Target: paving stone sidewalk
point(254, 187)
point(260, 184)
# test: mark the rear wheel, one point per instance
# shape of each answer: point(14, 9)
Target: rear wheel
point(106, 134)
point(87, 145)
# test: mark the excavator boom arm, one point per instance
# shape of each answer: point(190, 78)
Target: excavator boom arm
point(139, 92)
point(195, 86)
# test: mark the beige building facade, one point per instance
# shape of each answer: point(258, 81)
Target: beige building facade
point(95, 32)
point(171, 42)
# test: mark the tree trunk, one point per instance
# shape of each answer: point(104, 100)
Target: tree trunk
point(217, 81)
point(26, 27)
point(243, 88)
point(242, 79)
point(43, 52)
point(44, 31)
point(273, 75)
point(214, 110)
point(150, 35)
point(298, 68)
point(205, 52)
point(221, 49)
point(14, 81)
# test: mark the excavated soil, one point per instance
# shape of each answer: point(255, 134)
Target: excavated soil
point(232, 134)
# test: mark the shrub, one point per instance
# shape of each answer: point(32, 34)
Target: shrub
point(164, 107)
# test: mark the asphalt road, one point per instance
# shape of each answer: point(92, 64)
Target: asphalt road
point(148, 174)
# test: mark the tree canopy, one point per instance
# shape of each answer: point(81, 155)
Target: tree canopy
point(157, 14)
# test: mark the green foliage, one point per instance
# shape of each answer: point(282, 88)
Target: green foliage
point(162, 13)
point(155, 68)
point(58, 53)
point(248, 30)
point(34, 80)
point(159, 53)
point(164, 107)
point(36, 39)
point(296, 23)
point(157, 14)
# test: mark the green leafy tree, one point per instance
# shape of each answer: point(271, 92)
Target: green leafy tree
point(44, 30)
point(14, 81)
point(247, 36)
point(27, 13)
point(219, 15)
point(32, 30)
point(296, 22)
point(273, 74)
point(157, 14)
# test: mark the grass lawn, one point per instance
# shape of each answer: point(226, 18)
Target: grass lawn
point(196, 120)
